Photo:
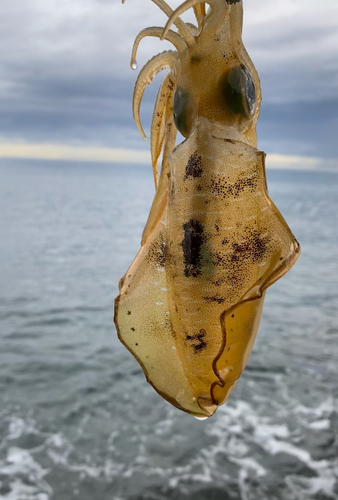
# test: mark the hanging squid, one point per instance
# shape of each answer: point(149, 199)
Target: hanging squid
point(190, 303)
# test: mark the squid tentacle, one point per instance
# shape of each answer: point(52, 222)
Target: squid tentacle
point(217, 11)
point(194, 29)
point(169, 125)
point(156, 64)
point(168, 144)
point(199, 11)
point(157, 133)
point(181, 26)
point(170, 128)
point(155, 31)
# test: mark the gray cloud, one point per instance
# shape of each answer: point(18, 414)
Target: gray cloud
point(303, 128)
point(65, 72)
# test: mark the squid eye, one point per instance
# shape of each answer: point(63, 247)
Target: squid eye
point(239, 91)
point(181, 100)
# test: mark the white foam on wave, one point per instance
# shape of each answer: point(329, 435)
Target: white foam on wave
point(20, 491)
point(249, 463)
point(320, 425)
point(58, 449)
point(242, 425)
point(201, 477)
point(22, 476)
point(18, 427)
point(18, 465)
point(238, 427)
point(324, 410)
point(25, 478)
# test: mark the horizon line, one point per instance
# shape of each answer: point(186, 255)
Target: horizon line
point(50, 151)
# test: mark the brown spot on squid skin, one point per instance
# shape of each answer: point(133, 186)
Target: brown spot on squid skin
point(218, 300)
point(194, 166)
point(223, 189)
point(158, 252)
point(192, 242)
point(254, 248)
point(199, 337)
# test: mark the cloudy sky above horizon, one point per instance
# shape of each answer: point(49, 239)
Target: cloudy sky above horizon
point(66, 84)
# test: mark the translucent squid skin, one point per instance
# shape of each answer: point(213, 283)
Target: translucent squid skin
point(190, 304)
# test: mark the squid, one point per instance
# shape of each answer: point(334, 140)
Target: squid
point(189, 305)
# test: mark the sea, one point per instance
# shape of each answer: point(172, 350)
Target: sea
point(77, 417)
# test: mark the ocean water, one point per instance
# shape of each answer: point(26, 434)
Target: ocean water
point(77, 418)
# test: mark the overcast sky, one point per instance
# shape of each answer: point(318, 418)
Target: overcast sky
point(66, 84)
